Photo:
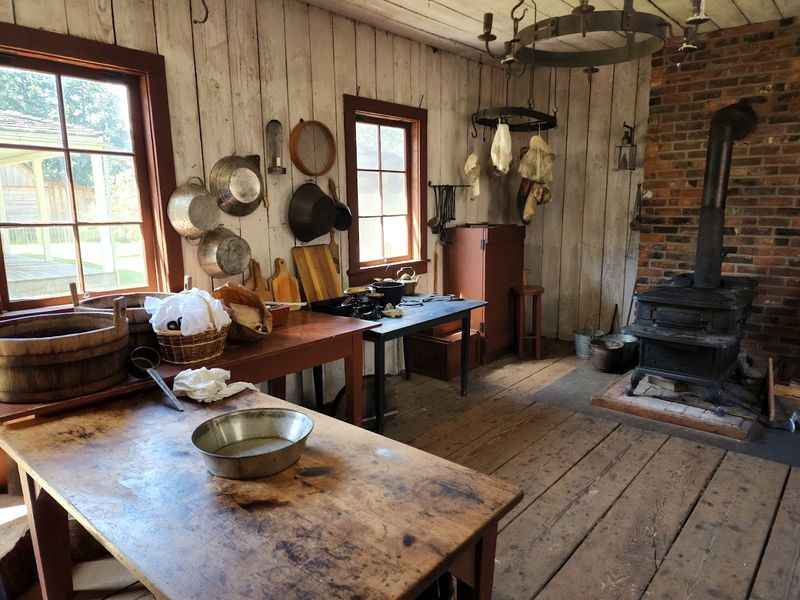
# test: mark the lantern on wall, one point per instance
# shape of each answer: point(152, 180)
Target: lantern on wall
point(275, 148)
point(626, 151)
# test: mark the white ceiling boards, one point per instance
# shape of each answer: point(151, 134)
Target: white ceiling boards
point(455, 24)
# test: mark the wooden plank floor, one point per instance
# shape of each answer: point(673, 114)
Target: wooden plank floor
point(610, 510)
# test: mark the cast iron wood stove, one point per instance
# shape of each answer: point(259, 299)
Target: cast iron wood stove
point(690, 329)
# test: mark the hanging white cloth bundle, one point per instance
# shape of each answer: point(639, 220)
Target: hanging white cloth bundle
point(536, 169)
point(472, 170)
point(537, 164)
point(501, 148)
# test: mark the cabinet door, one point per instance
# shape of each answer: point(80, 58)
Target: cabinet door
point(503, 271)
point(464, 267)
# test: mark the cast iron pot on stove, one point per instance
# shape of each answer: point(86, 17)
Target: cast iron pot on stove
point(392, 291)
point(312, 213)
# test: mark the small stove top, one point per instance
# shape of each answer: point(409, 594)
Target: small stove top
point(360, 307)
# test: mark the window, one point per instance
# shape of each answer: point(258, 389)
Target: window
point(84, 176)
point(386, 186)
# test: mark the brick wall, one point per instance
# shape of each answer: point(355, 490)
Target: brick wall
point(763, 211)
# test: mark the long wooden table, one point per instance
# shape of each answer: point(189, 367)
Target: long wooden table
point(307, 340)
point(359, 516)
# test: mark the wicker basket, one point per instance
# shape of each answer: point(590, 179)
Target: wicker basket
point(181, 349)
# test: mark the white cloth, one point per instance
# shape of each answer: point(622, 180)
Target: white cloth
point(191, 307)
point(501, 148)
point(537, 164)
point(472, 170)
point(207, 385)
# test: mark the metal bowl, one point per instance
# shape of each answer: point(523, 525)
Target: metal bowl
point(252, 443)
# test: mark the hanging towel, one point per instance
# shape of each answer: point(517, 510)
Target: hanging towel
point(472, 170)
point(501, 148)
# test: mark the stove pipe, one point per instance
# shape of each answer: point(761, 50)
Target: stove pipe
point(728, 125)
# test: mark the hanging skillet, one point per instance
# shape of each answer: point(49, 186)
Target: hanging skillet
point(237, 184)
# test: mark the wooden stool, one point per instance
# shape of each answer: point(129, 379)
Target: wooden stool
point(520, 294)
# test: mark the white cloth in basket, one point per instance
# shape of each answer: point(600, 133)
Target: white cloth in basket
point(196, 309)
point(207, 385)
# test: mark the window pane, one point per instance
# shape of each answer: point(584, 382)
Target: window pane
point(113, 257)
point(369, 239)
point(369, 194)
point(105, 188)
point(97, 113)
point(366, 146)
point(28, 108)
point(393, 148)
point(40, 261)
point(394, 194)
point(395, 236)
point(33, 187)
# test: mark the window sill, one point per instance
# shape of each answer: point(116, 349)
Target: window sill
point(365, 275)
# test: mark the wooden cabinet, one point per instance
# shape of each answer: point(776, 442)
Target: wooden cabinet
point(485, 262)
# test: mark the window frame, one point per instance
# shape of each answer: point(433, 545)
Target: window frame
point(29, 48)
point(415, 120)
point(137, 153)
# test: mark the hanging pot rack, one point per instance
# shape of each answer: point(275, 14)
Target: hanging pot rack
point(642, 34)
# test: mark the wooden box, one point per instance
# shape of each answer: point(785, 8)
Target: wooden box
point(280, 314)
point(440, 357)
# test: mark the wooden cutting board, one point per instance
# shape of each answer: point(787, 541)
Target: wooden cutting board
point(317, 272)
point(257, 283)
point(283, 284)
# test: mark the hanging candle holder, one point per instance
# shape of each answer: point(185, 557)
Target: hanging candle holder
point(626, 151)
point(275, 148)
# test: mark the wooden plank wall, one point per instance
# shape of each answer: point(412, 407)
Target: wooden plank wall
point(255, 60)
point(579, 247)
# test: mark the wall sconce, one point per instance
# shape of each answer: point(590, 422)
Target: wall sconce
point(275, 148)
point(626, 151)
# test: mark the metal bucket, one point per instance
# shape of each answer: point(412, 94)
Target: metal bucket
point(583, 341)
point(630, 348)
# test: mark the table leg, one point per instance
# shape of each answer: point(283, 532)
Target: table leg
point(354, 375)
point(50, 537)
point(319, 389)
point(482, 571)
point(519, 304)
point(464, 353)
point(380, 384)
point(277, 387)
point(538, 321)
point(407, 357)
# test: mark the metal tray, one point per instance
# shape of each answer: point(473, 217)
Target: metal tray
point(252, 443)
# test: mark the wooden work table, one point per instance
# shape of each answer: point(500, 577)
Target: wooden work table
point(307, 340)
point(359, 516)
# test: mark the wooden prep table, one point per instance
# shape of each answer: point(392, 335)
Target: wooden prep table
point(307, 340)
point(359, 515)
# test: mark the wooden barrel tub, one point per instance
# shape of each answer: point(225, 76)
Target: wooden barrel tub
point(141, 332)
point(46, 358)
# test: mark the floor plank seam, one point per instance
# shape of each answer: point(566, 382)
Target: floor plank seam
point(499, 393)
point(685, 520)
point(601, 517)
point(521, 450)
point(523, 407)
point(547, 489)
point(769, 534)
